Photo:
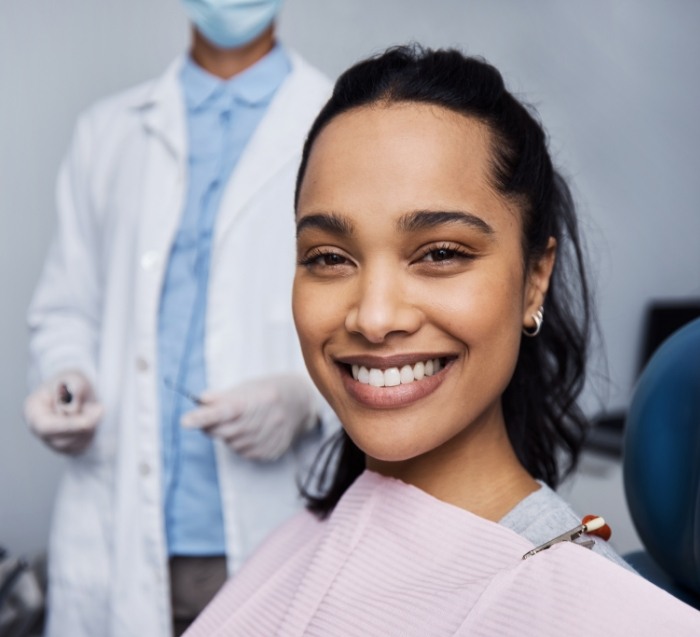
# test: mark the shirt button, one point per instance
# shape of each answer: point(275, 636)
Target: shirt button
point(144, 469)
point(149, 260)
point(141, 364)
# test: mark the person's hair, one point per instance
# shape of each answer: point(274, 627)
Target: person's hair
point(544, 422)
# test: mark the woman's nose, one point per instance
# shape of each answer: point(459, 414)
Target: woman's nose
point(381, 307)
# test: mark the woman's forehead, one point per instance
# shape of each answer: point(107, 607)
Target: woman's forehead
point(402, 122)
point(404, 156)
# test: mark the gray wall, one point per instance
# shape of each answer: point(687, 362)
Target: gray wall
point(615, 83)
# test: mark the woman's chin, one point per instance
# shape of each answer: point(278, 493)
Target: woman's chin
point(386, 448)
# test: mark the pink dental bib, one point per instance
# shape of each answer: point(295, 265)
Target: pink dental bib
point(392, 560)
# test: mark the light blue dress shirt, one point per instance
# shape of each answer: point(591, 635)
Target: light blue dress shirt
point(221, 118)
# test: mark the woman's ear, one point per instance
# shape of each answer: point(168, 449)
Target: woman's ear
point(537, 283)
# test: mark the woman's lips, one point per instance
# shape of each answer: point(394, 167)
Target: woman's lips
point(390, 383)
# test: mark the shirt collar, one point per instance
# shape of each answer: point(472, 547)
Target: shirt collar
point(253, 86)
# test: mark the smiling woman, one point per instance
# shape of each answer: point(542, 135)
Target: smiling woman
point(448, 214)
point(432, 235)
point(427, 278)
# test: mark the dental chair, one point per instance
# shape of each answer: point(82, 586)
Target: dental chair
point(661, 465)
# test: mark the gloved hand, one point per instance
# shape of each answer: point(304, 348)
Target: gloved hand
point(64, 412)
point(258, 419)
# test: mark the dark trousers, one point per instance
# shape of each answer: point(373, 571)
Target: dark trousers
point(193, 583)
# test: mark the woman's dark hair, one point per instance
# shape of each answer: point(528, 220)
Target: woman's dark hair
point(544, 422)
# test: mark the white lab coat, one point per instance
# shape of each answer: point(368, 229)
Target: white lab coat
point(120, 195)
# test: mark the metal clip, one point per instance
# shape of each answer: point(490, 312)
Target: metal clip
point(571, 536)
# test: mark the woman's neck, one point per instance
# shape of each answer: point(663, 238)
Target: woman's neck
point(483, 476)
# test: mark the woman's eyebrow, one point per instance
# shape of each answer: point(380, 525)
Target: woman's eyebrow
point(423, 219)
point(328, 221)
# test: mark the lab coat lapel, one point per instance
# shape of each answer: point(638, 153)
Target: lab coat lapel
point(164, 123)
point(163, 111)
point(277, 141)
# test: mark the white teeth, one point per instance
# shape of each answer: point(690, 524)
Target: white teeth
point(376, 377)
point(394, 376)
point(407, 374)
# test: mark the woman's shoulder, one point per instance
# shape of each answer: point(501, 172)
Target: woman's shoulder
point(544, 514)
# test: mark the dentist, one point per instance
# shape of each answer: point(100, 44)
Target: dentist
point(164, 357)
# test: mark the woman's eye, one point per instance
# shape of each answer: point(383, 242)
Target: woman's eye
point(330, 259)
point(324, 260)
point(441, 254)
point(333, 259)
point(444, 253)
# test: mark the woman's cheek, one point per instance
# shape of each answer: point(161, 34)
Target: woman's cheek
point(310, 310)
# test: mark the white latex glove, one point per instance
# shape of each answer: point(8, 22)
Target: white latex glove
point(64, 412)
point(258, 419)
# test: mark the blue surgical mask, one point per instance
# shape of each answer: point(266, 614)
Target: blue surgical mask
point(231, 23)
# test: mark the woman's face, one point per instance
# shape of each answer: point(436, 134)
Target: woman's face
point(410, 291)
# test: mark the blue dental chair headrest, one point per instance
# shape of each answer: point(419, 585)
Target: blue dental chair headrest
point(661, 465)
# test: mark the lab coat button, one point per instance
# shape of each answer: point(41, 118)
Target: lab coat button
point(149, 260)
point(144, 469)
point(141, 364)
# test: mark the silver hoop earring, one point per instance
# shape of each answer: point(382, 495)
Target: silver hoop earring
point(538, 317)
